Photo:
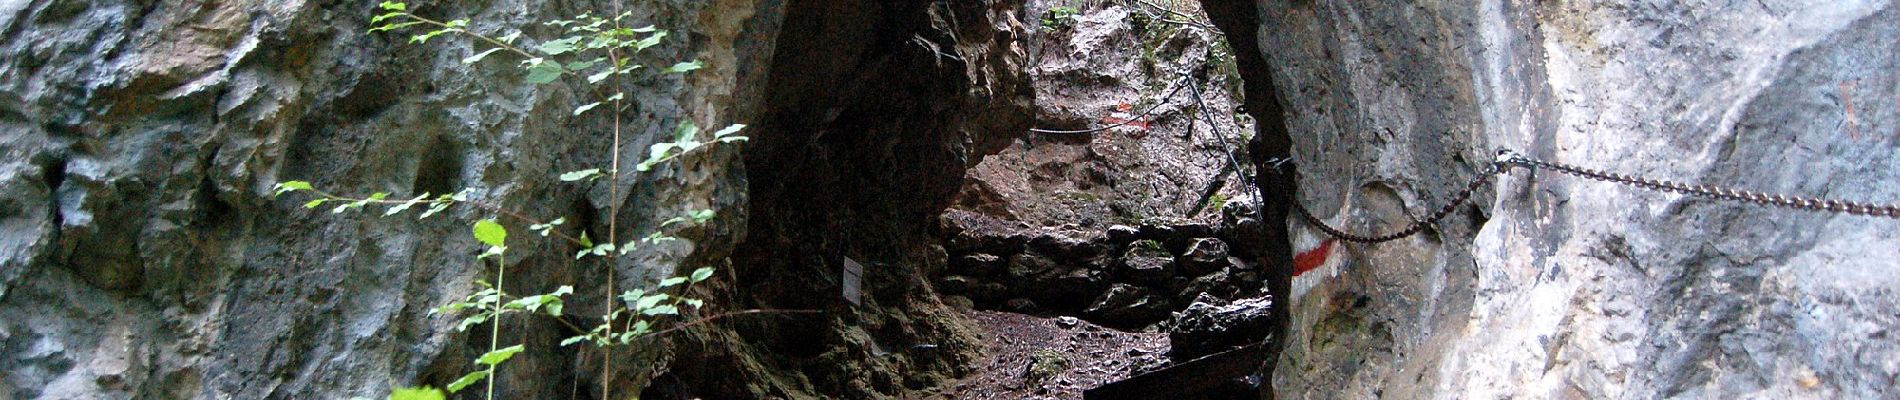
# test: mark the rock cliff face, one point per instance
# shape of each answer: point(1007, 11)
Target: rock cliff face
point(142, 256)
point(1548, 286)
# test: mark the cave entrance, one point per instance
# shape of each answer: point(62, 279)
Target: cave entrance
point(871, 126)
point(1123, 209)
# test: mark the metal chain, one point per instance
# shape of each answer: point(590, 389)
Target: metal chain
point(1507, 158)
point(1714, 192)
point(1418, 225)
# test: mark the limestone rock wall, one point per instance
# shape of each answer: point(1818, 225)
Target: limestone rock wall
point(1549, 286)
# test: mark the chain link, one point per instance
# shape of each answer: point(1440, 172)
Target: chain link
point(1507, 158)
point(1712, 191)
point(1418, 225)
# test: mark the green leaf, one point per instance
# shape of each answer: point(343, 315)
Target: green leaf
point(559, 46)
point(380, 18)
point(510, 38)
point(649, 301)
point(649, 41)
point(315, 203)
point(498, 356)
point(684, 67)
point(466, 380)
point(686, 131)
point(728, 130)
point(641, 327)
point(589, 173)
point(672, 281)
point(731, 139)
point(584, 108)
point(656, 154)
point(291, 186)
point(579, 66)
point(394, 6)
point(696, 303)
point(471, 321)
point(405, 205)
point(493, 251)
point(479, 56)
point(702, 274)
point(661, 310)
point(573, 340)
point(544, 72)
point(704, 215)
point(490, 232)
point(600, 76)
point(421, 393)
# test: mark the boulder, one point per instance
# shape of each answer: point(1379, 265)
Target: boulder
point(1203, 255)
point(1210, 325)
point(1126, 306)
point(977, 264)
point(1122, 235)
point(955, 284)
point(1146, 270)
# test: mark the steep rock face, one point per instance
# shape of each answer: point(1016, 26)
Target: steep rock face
point(142, 256)
point(1552, 286)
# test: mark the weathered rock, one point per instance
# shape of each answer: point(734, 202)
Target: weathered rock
point(1546, 285)
point(978, 264)
point(1210, 325)
point(1224, 283)
point(1028, 267)
point(1112, 57)
point(1025, 306)
point(955, 284)
point(988, 293)
point(1203, 256)
point(142, 255)
point(1146, 270)
point(1069, 246)
point(1128, 307)
point(1122, 235)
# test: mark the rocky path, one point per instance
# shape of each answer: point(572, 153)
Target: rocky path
point(1029, 357)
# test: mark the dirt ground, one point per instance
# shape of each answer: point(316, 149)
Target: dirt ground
point(1051, 358)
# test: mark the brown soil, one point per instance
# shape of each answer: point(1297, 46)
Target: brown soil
point(1094, 356)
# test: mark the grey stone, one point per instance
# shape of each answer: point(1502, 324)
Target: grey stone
point(1210, 325)
point(955, 284)
point(1569, 287)
point(978, 264)
point(1203, 256)
point(1122, 235)
point(1146, 270)
point(1128, 307)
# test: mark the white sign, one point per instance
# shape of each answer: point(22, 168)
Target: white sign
point(853, 275)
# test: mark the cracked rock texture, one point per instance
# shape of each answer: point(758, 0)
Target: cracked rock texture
point(1170, 167)
point(1549, 286)
point(142, 256)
